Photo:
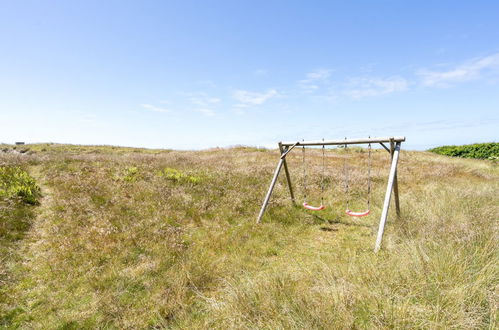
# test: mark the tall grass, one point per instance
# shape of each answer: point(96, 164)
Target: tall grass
point(128, 239)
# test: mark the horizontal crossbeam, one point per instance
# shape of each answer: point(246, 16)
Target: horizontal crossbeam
point(343, 142)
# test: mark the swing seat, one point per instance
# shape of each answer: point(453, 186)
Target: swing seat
point(313, 208)
point(357, 214)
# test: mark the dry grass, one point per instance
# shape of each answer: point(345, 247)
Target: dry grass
point(118, 243)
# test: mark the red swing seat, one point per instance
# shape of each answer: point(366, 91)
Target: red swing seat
point(357, 214)
point(313, 208)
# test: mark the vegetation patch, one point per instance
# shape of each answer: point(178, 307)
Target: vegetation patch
point(131, 174)
point(178, 176)
point(16, 183)
point(477, 151)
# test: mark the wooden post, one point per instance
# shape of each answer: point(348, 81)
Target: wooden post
point(271, 188)
point(288, 177)
point(395, 183)
point(386, 204)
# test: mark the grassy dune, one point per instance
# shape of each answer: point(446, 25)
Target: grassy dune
point(130, 238)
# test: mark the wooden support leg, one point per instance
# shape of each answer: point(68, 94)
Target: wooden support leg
point(395, 183)
point(271, 188)
point(396, 193)
point(386, 204)
point(288, 177)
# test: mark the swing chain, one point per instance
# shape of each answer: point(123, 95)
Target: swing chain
point(323, 173)
point(345, 169)
point(304, 176)
point(369, 176)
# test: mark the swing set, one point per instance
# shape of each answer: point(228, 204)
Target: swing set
point(394, 150)
point(347, 185)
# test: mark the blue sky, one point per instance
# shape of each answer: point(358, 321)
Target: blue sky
point(200, 74)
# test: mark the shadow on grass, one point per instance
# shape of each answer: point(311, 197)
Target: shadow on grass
point(296, 214)
point(323, 228)
point(337, 220)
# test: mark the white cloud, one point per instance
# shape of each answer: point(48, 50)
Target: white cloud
point(204, 102)
point(318, 74)
point(247, 98)
point(239, 111)
point(260, 72)
point(207, 112)
point(89, 119)
point(241, 105)
point(207, 83)
point(364, 87)
point(314, 80)
point(471, 70)
point(201, 98)
point(154, 108)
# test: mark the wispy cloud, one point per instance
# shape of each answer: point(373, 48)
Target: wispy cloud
point(204, 102)
point(314, 80)
point(207, 83)
point(89, 119)
point(203, 99)
point(260, 72)
point(247, 98)
point(154, 108)
point(471, 70)
point(207, 112)
point(364, 87)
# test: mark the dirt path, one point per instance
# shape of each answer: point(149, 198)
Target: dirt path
point(39, 229)
point(25, 252)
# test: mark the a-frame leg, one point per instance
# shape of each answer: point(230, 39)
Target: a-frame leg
point(388, 194)
point(286, 171)
point(271, 188)
point(395, 182)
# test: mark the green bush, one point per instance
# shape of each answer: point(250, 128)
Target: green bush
point(131, 174)
point(16, 183)
point(177, 176)
point(477, 151)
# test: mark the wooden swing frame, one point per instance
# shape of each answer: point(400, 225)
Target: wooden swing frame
point(394, 150)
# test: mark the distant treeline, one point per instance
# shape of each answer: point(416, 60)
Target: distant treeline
point(478, 151)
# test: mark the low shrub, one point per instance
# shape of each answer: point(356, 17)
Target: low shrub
point(477, 151)
point(16, 183)
point(131, 174)
point(178, 176)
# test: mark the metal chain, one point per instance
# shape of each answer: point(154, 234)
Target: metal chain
point(323, 173)
point(345, 170)
point(369, 177)
point(304, 176)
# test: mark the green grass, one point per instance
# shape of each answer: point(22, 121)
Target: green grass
point(477, 151)
point(128, 239)
point(18, 195)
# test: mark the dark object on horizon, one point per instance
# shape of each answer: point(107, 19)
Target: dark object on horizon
point(19, 143)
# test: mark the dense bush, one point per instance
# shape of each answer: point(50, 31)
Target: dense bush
point(478, 151)
point(14, 182)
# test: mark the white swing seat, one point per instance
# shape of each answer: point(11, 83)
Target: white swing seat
point(313, 208)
